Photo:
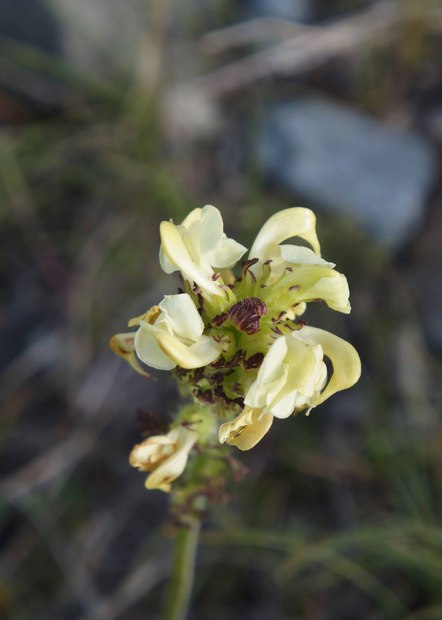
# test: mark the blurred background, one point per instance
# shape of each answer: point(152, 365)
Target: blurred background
point(115, 115)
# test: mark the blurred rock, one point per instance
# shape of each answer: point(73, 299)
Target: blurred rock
point(25, 25)
point(412, 374)
point(434, 123)
point(297, 10)
point(29, 21)
point(190, 113)
point(426, 286)
point(98, 35)
point(350, 164)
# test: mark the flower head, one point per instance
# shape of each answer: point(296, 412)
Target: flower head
point(165, 456)
point(234, 342)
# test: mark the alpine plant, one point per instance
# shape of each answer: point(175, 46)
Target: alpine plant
point(235, 342)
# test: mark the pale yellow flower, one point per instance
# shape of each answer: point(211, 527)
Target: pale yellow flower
point(307, 282)
point(293, 377)
point(199, 249)
point(283, 225)
point(296, 267)
point(165, 456)
point(172, 334)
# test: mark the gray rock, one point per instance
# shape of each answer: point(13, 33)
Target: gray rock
point(297, 10)
point(350, 164)
point(101, 35)
point(30, 22)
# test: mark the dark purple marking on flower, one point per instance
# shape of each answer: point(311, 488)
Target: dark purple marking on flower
point(276, 330)
point(235, 359)
point(246, 266)
point(295, 287)
point(206, 396)
point(197, 291)
point(216, 393)
point(219, 319)
point(215, 276)
point(246, 314)
point(254, 361)
point(198, 374)
point(221, 362)
point(288, 269)
point(279, 317)
point(248, 263)
point(218, 338)
point(267, 262)
point(217, 378)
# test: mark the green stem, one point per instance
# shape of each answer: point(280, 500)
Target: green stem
point(180, 587)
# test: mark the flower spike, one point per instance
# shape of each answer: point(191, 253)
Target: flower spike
point(234, 341)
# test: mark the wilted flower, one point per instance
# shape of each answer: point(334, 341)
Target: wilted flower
point(165, 456)
point(123, 345)
point(247, 429)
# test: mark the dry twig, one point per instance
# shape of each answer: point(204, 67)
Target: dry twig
point(304, 51)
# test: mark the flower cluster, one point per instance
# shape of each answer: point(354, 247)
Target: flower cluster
point(236, 343)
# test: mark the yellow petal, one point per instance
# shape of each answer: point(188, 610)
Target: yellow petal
point(304, 365)
point(123, 345)
point(299, 255)
point(177, 253)
point(209, 232)
point(343, 356)
point(182, 316)
point(296, 222)
point(247, 429)
point(148, 349)
point(193, 216)
point(215, 247)
point(319, 282)
point(203, 352)
point(271, 377)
